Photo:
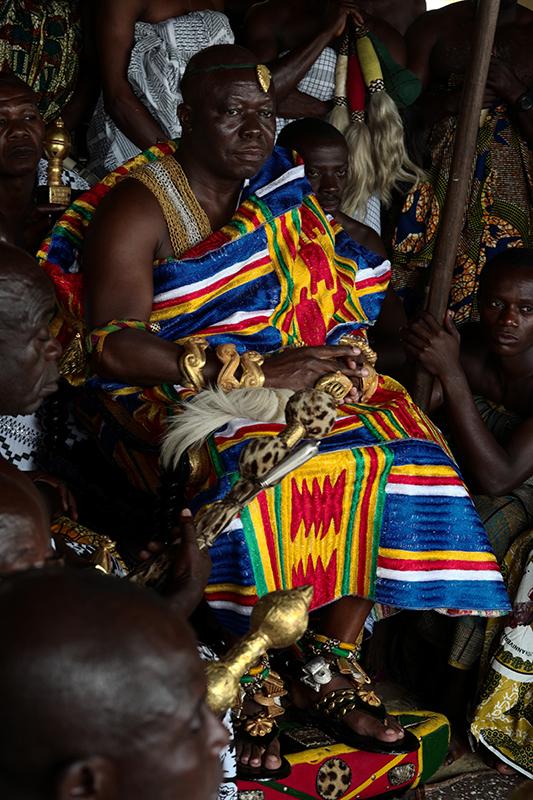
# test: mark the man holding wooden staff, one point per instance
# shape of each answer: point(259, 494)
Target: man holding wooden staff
point(499, 211)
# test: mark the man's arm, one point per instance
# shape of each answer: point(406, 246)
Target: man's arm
point(495, 469)
point(115, 26)
point(81, 105)
point(118, 260)
point(262, 37)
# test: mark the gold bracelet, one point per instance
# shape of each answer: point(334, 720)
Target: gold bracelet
point(231, 360)
point(192, 361)
point(252, 376)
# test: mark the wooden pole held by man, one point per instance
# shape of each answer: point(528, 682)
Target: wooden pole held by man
point(462, 165)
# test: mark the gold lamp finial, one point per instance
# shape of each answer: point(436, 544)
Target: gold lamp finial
point(57, 144)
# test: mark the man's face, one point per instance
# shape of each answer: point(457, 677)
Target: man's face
point(177, 752)
point(29, 356)
point(506, 310)
point(21, 130)
point(232, 127)
point(326, 168)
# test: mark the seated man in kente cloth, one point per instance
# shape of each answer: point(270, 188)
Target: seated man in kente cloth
point(221, 238)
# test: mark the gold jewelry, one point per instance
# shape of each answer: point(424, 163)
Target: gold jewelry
point(252, 375)
point(186, 220)
point(336, 384)
point(264, 77)
point(368, 383)
point(192, 361)
point(226, 380)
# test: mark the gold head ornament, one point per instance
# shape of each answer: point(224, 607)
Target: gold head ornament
point(278, 620)
point(264, 77)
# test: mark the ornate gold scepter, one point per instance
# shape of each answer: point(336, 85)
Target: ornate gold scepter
point(278, 620)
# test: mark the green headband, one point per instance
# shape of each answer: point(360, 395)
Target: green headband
point(263, 74)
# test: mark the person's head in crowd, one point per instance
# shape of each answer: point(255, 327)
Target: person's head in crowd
point(505, 301)
point(28, 351)
point(103, 694)
point(24, 526)
point(228, 112)
point(21, 127)
point(325, 155)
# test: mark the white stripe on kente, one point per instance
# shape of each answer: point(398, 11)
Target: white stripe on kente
point(424, 489)
point(224, 273)
point(287, 177)
point(418, 576)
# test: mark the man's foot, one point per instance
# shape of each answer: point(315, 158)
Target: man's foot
point(258, 756)
point(492, 761)
point(458, 746)
point(366, 724)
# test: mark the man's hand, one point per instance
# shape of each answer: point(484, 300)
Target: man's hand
point(191, 569)
point(435, 346)
point(301, 367)
point(57, 493)
point(337, 13)
point(502, 83)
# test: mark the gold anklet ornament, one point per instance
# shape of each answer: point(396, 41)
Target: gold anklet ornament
point(192, 361)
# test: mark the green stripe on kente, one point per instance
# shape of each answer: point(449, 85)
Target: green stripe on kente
point(286, 273)
point(359, 463)
point(277, 511)
point(378, 517)
point(254, 553)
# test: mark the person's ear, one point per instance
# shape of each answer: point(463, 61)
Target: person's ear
point(92, 778)
point(184, 116)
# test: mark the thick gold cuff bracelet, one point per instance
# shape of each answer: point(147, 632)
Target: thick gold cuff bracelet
point(192, 361)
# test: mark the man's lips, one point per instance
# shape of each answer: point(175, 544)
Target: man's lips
point(252, 152)
point(22, 151)
point(504, 337)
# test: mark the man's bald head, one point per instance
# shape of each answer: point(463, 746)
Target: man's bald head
point(27, 351)
point(213, 64)
point(102, 687)
point(8, 80)
point(23, 288)
point(24, 525)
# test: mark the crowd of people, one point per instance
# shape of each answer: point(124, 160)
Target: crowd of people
point(251, 238)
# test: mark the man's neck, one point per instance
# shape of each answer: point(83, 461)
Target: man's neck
point(16, 193)
point(516, 367)
point(217, 196)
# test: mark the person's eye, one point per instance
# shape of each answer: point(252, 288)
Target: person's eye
point(494, 304)
point(313, 173)
point(341, 173)
point(267, 113)
point(232, 112)
point(526, 309)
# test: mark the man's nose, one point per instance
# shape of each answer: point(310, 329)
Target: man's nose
point(17, 128)
point(250, 126)
point(53, 349)
point(218, 735)
point(510, 316)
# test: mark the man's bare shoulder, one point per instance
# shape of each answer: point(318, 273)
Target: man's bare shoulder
point(435, 20)
point(129, 205)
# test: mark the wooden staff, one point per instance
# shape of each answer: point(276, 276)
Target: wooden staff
point(464, 152)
